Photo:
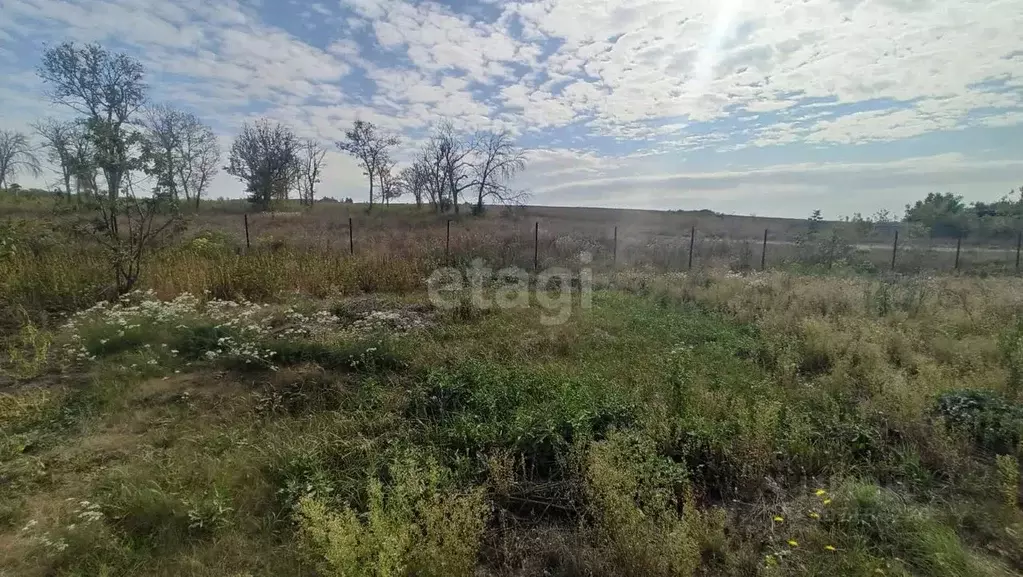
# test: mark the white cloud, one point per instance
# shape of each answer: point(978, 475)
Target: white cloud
point(667, 77)
point(705, 60)
point(649, 181)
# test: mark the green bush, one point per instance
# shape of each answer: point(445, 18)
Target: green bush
point(413, 526)
point(1010, 345)
point(633, 499)
point(989, 420)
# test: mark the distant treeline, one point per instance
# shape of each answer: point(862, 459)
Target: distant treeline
point(945, 215)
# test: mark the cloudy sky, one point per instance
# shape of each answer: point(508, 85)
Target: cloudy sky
point(768, 107)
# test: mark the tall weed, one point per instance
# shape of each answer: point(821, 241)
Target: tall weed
point(412, 526)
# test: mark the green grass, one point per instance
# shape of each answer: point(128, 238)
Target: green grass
point(705, 425)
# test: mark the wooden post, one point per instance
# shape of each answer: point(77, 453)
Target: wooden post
point(536, 246)
point(895, 248)
point(614, 253)
point(1019, 242)
point(447, 245)
point(351, 238)
point(763, 253)
point(959, 245)
point(692, 240)
point(247, 231)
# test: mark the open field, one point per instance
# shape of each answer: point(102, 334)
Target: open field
point(393, 249)
point(292, 409)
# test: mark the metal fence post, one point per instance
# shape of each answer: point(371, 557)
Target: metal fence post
point(959, 246)
point(351, 238)
point(763, 253)
point(895, 248)
point(614, 253)
point(247, 231)
point(536, 246)
point(447, 245)
point(1019, 242)
point(692, 240)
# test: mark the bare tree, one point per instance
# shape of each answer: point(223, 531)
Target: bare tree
point(431, 163)
point(83, 164)
point(184, 149)
point(387, 180)
point(496, 160)
point(455, 161)
point(414, 180)
point(129, 228)
point(16, 156)
point(311, 155)
point(199, 152)
point(163, 126)
point(107, 88)
point(370, 146)
point(59, 141)
point(266, 158)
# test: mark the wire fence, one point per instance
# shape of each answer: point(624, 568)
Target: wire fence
point(462, 242)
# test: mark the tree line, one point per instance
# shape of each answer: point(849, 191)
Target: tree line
point(120, 141)
point(449, 169)
point(130, 163)
point(946, 215)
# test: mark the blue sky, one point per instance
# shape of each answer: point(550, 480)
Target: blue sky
point(746, 106)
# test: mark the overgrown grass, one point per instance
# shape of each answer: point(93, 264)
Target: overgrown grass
point(698, 424)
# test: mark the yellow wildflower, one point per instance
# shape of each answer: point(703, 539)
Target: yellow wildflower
point(821, 492)
point(827, 501)
point(793, 543)
point(814, 515)
point(779, 519)
point(830, 548)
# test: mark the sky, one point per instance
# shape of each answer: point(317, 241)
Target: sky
point(764, 107)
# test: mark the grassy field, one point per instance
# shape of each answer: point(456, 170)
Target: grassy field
point(394, 248)
point(289, 409)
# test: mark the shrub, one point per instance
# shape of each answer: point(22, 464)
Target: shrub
point(411, 527)
point(632, 497)
point(989, 420)
point(1008, 479)
point(1011, 347)
point(28, 352)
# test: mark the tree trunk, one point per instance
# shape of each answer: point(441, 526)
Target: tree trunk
point(113, 179)
point(479, 202)
point(371, 191)
point(170, 176)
